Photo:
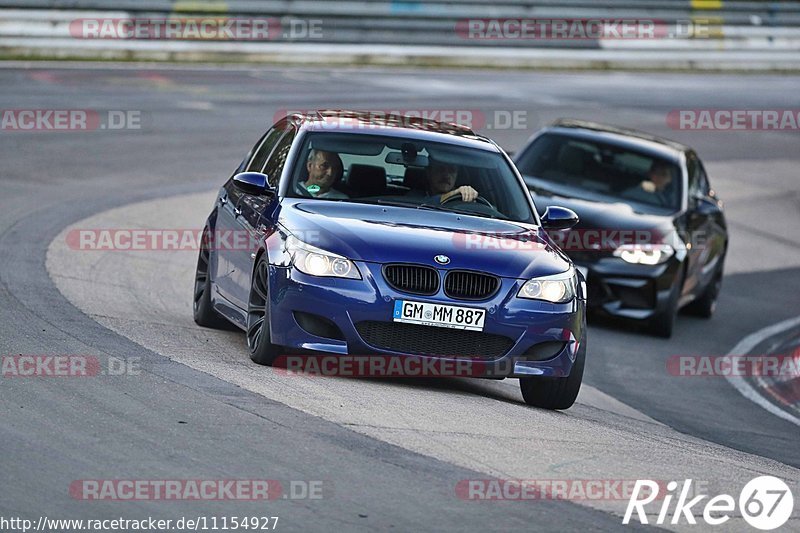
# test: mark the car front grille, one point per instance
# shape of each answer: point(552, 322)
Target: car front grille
point(414, 339)
point(463, 285)
point(413, 279)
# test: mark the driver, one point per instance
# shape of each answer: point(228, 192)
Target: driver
point(324, 169)
point(440, 183)
point(657, 186)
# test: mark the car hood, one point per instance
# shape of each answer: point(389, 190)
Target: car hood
point(614, 222)
point(387, 234)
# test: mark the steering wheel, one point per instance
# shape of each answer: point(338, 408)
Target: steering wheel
point(479, 199)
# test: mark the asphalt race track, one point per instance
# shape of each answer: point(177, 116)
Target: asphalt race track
point(390, 452)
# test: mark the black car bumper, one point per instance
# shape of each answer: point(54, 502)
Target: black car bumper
point(620, 289)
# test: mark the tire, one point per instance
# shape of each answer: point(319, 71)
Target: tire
point(202, 309)
point(262, 351)
point(555, 393)
point(663, 323)
point(705, 305)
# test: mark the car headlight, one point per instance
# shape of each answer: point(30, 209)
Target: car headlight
point(644, 254)
point(557, 289)
point(317, 262)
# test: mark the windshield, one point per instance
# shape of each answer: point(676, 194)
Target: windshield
point(408, 173)
point(586, 169)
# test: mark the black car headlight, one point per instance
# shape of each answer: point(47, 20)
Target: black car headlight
point(558, 288)
point(644, 254)
point(317, 262)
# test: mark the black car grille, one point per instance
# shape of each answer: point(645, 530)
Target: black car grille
point(414, 339)
point(463, 285)
point(414, 279)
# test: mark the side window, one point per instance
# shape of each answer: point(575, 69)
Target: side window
point(274, 166)
point(263, 151)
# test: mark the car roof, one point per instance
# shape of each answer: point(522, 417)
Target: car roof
point(619, 136)
point(393, 125)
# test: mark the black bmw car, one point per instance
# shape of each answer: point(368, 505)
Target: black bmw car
point(652, 235)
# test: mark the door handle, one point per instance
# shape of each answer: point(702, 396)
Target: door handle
point(236, 211)
point(223, 200)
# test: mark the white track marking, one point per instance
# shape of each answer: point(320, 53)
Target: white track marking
point(743, 348)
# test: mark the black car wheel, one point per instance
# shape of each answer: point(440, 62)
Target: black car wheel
point(663, 323)
point(705, 305)
point(555, 393)
point(262, 351)
point(203, 310)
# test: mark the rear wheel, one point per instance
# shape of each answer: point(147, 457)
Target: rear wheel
point(262, 351)
point(203, 310)
point(555, 393)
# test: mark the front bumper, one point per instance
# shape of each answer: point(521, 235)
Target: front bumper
point(629, 291)
point(517, 328)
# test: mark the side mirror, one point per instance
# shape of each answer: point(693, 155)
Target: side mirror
point(254, 183)
point(556, 218)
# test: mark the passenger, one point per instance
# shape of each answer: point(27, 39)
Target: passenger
point(324, 170)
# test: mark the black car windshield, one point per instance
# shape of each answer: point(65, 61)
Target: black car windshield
point(410, 173)
point(582, 168)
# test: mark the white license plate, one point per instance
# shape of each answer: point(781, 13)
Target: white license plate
point(443, 316)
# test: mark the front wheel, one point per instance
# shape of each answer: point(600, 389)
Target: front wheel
point(262, 351)
point(705, 305)
point(555, 393)
point(662, 324)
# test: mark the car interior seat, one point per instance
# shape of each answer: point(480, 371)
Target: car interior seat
point(366, 180)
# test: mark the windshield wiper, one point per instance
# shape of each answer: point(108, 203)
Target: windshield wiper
point(429, 207)
point(380, 201)
point(396, 203)
point(439, 207)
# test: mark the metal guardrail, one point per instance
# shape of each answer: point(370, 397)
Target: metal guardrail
point(728, 25)
point(732, 26)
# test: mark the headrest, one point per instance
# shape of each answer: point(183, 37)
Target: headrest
point(416, 178)
point(366, 180)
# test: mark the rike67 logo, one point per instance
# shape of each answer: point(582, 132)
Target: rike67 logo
point(765, 503)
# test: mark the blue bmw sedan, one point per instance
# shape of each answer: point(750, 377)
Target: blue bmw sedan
point(349, 233)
